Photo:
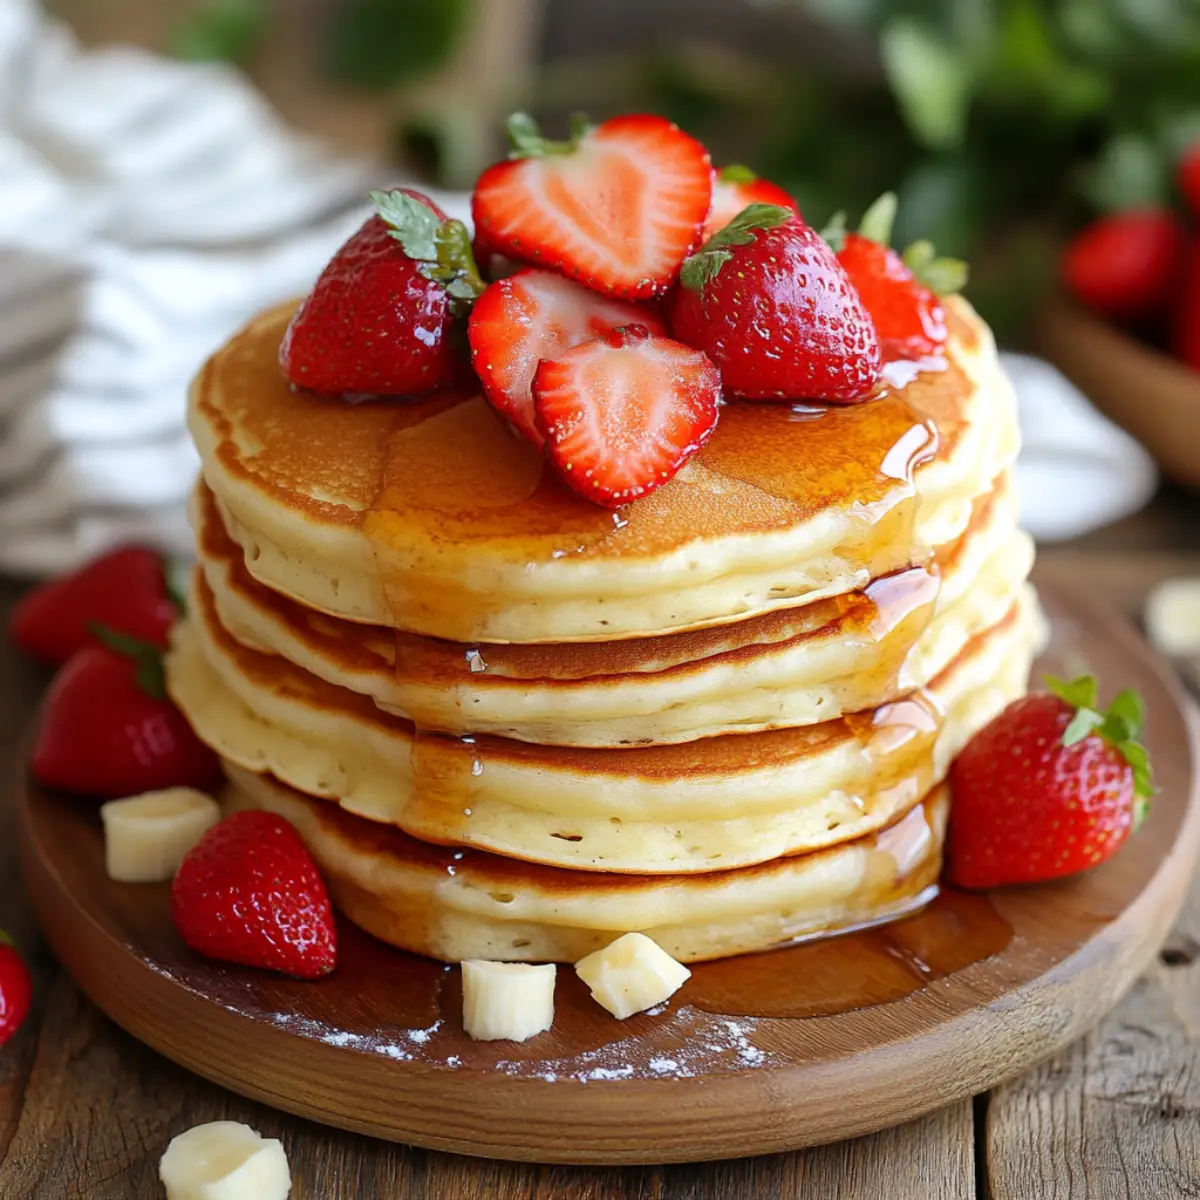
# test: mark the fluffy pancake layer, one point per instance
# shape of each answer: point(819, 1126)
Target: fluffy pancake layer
point(430, 517)
point(459, 905)
point(708, 805)
point(791, 667)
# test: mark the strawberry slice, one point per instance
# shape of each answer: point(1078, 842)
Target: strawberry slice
point(618, 206)
point(737, 187)
point(621, 414)
point(901, 292)
point(534, 315)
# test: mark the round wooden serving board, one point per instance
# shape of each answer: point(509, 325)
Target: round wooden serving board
point(379, 1046)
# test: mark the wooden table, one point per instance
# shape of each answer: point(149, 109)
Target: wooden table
point(85, 1111)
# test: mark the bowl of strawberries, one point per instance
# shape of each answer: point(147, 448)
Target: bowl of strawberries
point(1125, 328)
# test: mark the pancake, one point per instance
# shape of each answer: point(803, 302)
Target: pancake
point(456, 905)
point(429, 516)
point(789, 667)
point(706, 806)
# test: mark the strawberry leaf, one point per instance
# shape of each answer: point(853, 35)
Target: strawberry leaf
point(942, 275)
point(525, 136)
point(878, 220)
point(705, 264)
point(834, 232)
point(440, 248)
point(1120, 725)
point(737, 173)
point(150, 677)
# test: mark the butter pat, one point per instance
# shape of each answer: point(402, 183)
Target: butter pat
point(1173, 617)
point(225, 1160)
point(507, 1001)
point(147, 836)
point(631, 975)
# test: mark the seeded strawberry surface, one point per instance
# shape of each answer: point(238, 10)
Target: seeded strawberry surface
point(1027, 807)
point(250, 893)
point(735, 188)
point(776, 312)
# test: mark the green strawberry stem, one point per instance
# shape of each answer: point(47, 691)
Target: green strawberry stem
point(150, 677)
point(527, 141)
point(704, 265)
point(440, 248)
point(1120, 725)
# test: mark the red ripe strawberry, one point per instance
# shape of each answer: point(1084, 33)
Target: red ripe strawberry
point(534, 315)
point(379, 320)
point(1188, 175)
point(250, 893)
point(1126, 266)
point(900, 293)
point(125, 590)
point(735, 188)
point(16, 989)
point(618, 207)
point(1051, 787)
point(768, 302)
point(108, 728)
point(1185, 331)
point(623, 413)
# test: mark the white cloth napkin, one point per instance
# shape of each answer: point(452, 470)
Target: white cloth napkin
point(148, 208)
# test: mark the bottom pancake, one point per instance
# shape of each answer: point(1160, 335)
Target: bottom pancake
point(455, 905)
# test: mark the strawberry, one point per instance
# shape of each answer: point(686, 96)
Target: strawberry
point(534, 315)
point(108, 728)
point(125, 590)
point(1051, 787)
point(379, 320)
point(900, 292)
point(1126, 266)
point(618, 206)
point(1185, 329)
point(621, 414)
point(735, 188)
point(250, 893)
point(769, 303)
point(1188, 176)
point(16, 989)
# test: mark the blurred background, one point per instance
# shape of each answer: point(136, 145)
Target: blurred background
point(151, 199)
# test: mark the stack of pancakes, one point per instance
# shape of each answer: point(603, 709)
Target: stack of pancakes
point(512, 725)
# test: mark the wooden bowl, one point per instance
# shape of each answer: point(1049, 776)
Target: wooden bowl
point(1152, 396)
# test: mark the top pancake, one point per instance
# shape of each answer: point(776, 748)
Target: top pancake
point(430, 516)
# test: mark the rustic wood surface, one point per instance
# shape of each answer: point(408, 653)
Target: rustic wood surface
point(85, 1111)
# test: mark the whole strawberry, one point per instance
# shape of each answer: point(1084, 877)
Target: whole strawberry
point(16, 989)
point(768, 302)
point(108, 728)
point(1188, 175)
point(902, 293)
point(125, 590)
point(379, 321)
point(250, 893)
point(1126, 266)
point(1050, 787)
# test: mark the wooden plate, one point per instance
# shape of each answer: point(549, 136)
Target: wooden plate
point(915, 1016)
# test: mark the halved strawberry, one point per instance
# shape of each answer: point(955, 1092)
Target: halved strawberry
point(534, 315)
point(736, 187)
point(900, 292)
point(621, 414)
point(618, 206)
